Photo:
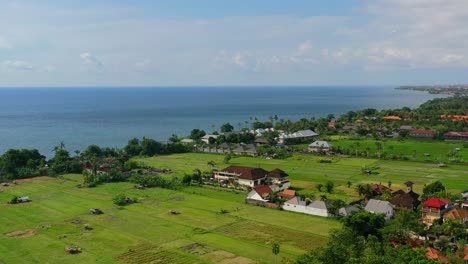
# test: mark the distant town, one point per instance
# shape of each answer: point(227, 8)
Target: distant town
point(451, 89)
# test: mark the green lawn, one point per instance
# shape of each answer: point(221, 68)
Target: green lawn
point(306, 172)
point(419, 150)
point(145, 231)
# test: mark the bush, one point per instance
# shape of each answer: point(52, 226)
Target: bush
point(14, 200)
point(120, 199)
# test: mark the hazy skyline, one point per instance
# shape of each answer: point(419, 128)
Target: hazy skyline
point(255, 42)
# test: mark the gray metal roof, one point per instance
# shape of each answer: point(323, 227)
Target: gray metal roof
point(377, 206)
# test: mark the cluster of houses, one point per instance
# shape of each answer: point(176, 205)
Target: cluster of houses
point(267, 184)
point(251, 149)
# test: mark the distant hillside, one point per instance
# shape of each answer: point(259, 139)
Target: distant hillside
point(457, 105)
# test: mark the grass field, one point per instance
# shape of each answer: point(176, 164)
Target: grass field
point(418, 150)
point(306, 172)
point(39, 231)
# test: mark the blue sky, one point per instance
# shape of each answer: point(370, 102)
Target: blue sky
point(251, 42)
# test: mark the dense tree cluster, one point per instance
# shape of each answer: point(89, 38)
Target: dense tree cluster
point(365, 238)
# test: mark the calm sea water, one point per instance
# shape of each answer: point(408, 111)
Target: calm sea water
point(42, 117)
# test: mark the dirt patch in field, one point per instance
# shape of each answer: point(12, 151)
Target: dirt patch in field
point(76, 221)
point(177, 199)
point(29, 180)
point(197, 249)
point(265, 233)
point(149, 253)
point(22, 233)
point(224, 257)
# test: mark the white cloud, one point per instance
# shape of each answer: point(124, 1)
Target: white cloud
point(17, 65)
point(452, 58)
point(90, 59)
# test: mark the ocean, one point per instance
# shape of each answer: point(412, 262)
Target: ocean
point(41, 118)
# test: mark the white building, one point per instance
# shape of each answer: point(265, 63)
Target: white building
point(320, 146)
point(298, 205)
point(299, 135)
point(206, 138)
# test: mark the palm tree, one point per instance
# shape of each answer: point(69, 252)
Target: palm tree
point(276, 250)
point(349, 184)
point(363, 190)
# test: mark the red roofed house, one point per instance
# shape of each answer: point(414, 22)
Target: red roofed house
point(392, 118)
point(457, 214)
point(246, 176)
point(456, 136)
point(259, 194)
point(378, 189)
point(433, 209)
point(433, 253)
point(420, 133)
point(454, 117)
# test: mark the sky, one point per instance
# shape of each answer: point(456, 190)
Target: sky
point(62, 43)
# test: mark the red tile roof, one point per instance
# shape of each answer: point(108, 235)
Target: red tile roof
point(455, 117)
point(456, 134)
point(288, 194)
point(433, 253)
point(247, 173)
point(437, 202)
point(263, 190)
point(392, 118)
point(456, 214)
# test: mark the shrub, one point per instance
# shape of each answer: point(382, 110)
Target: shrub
point(120, 199)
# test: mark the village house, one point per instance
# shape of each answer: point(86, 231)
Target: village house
point(245, 150)
point(456, 136)
point(465, 205)
point(433, 209)
point(457, 214)
point(299, 136)
point(259, 195)
point(206, 138)
point(245, 176)
point(405, 199)
point(320, 146)
point(455, 118)
point(421, 133)
point(395, 118)
point(406, 128)
point(261, 141)
point(347, 210)
point(278, 180)
point(380, 207)
point(299, 205)
point(435, 254)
